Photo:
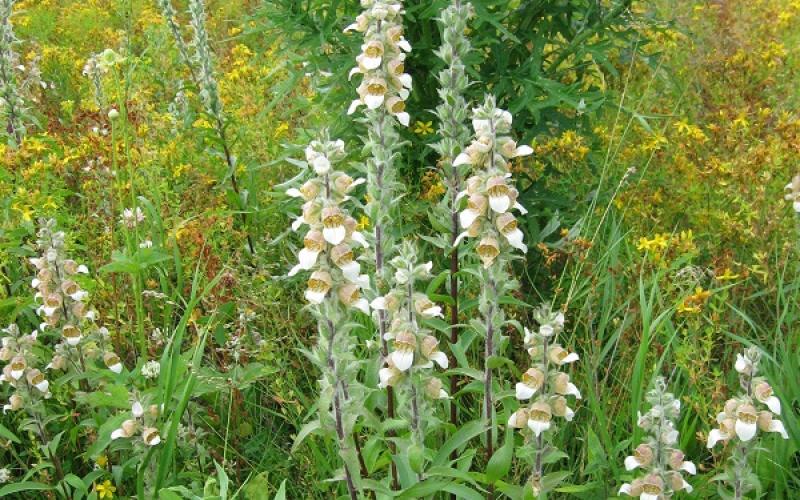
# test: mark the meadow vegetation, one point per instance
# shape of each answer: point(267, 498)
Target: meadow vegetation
point(384, 249)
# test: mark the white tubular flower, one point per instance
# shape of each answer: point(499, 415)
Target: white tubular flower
point(37, 380)
point(389, 376)
point(561, 356)
point(746, 422)
point(137, 410)
point(677, 462)
point(151, 436)
point(426, 308)
point(539, 416)
point(430, 350)
point(794, 193)
point(563, 386)
point(642, 457)
point(743, 364)
point(334, 230)
point(371, 55)
point(488, 250)
point(507, 225)
point(112, 362)
point(126, 430)
point(532, 381)
point(560, 408)
point(405, 343)
point(71, 334)
point(476, 207)
point(342, 255)
point(519, 419)
point(435, 390)
point(350, 295)
point(17, 367)
point(319, 284)
point(767, 423)
point(763, 392)
point(499, 194)
point(313, 245)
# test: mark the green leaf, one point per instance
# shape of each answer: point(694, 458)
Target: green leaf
point(10, 489)
point(115, 396)
point(308, 429)
point(5, 433)
point(281, 494)
point(460, 438)
point(500, 462)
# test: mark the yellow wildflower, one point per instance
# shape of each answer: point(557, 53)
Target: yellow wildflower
point(105, 490)
point(423, 128)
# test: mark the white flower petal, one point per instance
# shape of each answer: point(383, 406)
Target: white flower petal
point(572, 389)
point(118, 433)
point(404, 118)
point(774, 404)
point(116, 368)
point(362, 305)
point(373, 101)
point(515, 240)
point(521, 209)
point(777, 426)
point(460, 237)
point(315, 297)
point(631, 463)
point(334, 235)
point(43, 386)
point(322, 165)
point(359, 238)
point(441, 359)
point(371, 62)
point(625, 488)
point(433, 312)
point(500, 204)
point(384, 374)
point(405, 80)
point(467, 217)
point(402, 359)
point(137, 409)
point(82, 269)
point(524, 392)
point(523, 151)
point(351, 271)
point(379, 303)
point(294, 193)
point(353, 71)
point(715, 436)
point(462, 159)
point(745, 431)
point(538, 427)
point(354, 106)
point(689, 467)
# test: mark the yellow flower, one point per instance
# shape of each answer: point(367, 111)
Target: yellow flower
point(423, 128)
point(105, 490)
point(363, 223)
point(727, 275)
point(102, 461)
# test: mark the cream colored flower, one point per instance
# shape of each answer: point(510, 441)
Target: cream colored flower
point(532, 381)
point(319, 284)
point(430, 350)
point(539, 416)
point(405, 343)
